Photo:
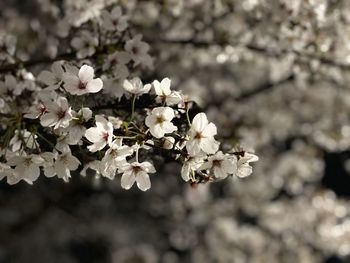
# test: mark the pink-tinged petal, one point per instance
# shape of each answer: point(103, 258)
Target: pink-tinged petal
point(200, 121)
point(94, 85)
point(127, 180)
point(210, 130)
point(97, 146)
point(143, 181)
point(63, 103)
point(86, 73)
point(48, 119)
point(93, 134)
point(209, 145)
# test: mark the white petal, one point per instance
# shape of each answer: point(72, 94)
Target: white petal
point(199, 122)
point(209, 145)
point(127, 180)
point(149, 168)
point(143, 181)
point(219, 173)
point(71, 83)
point(210, 130)
point(193, 147)
point(168, 127)
point(93, 134)
point(94, 85)
point(86, 73)
point(185, 172)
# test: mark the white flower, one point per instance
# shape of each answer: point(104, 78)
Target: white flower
point(221, 165)
point(243, 167)
point(190, 165)
point(116, 63)
point(159, 121)
point(76, 129)
point(20, 137)
point(139, 51)
point(101, 135)
point(53, 78)
point(83, 83)
point(115, 158)
point(202, 136)
point(137, 172)
point(48, 165)
point(39, 108)
point(27, 167)
point(59, 114)
point(136, 87)
point(114, 20)
point(85, 44)
point(65, 163)
point(9, 87)
point(165, 95)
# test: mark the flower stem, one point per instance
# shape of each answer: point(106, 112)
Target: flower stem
point(133, 107)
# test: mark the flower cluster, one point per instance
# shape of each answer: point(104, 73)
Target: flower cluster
point(59, 133)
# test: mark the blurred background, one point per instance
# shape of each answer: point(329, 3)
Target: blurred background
point(272, 74)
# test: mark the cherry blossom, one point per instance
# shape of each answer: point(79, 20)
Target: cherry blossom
point(115, 158)
point(221, 164)
point(64, 164)
point(53, 78)
point(159, 121)
point(202, 136)
point(190, 165)
point(137, 172)
point(139, 51)
point(243, 167)
point(101, 135)
point(165, 95)
point(82, 83)
point(114, 20)
point(116, 63)
point(85, 44)
point(27, 167)
point(135, 86)
point(59, 114)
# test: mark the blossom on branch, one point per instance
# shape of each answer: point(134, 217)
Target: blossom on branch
point(82, 83)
